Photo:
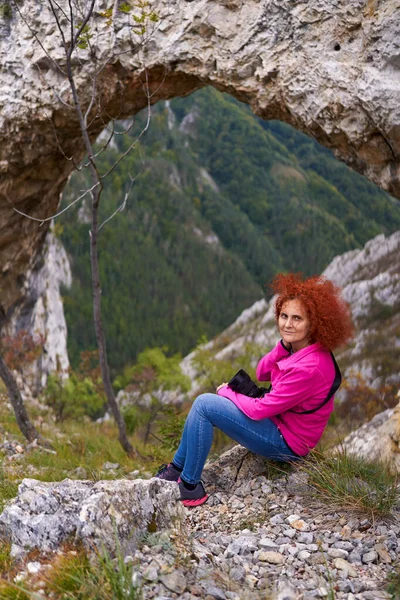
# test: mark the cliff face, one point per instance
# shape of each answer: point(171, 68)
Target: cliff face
point(330, 70)
point(41, 313)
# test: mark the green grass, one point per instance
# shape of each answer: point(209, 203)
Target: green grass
point(8, 488)
point(9, 591)
point(88, 446)
point(75, 577)
point(393, 587)
point(5, 557)
point(344, 481)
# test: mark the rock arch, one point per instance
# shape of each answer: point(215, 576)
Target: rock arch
point(330, 69)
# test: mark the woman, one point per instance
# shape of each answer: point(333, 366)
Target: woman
point(286, 423)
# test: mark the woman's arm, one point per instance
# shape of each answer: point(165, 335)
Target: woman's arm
point(294, 387)
point(263, 371)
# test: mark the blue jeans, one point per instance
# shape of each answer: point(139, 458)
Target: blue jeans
point(209, 411)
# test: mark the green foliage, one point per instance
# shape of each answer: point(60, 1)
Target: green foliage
point(154, 370)
point(10, 591)
point(153, 374)
point(84, 36)
point(393, 587)
point(75, 577)
point(5, 10)
point(8, 489)
point(80, 444)
point(212, 372)
point(73, 398)
point(350, 482)
point(170, 431)
point(274, 198)
point(5, 556)
point(133, 417)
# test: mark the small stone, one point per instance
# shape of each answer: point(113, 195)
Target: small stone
point(274, 558)
point(383, 553)
point(344, 546)
point(176, 582)
point(370, 557)
point(237, 574)
point(346, 532)
point(80, 472)
point(196, 590)
point(267, 543)
point(298, 523)
point(305, 538)
point(337, 553)
point(109, 466)
point(251, 581)
point(346, 567)
point(151, 573)
point(216, 592)
point(33, 567)
point(355, 558)
point(277, 519)
point(290, 533)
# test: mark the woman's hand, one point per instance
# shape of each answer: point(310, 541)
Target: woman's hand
point(221, 386)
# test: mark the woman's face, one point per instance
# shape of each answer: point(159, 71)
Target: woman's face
point(294, 324)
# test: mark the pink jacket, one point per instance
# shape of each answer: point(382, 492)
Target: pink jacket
point(300, 381)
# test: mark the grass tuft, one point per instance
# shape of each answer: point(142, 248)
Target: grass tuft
point(76, 577)
point(8, 489)
point(393, 587)
point(344, 481)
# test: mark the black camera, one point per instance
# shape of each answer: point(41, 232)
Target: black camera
point(242, 383)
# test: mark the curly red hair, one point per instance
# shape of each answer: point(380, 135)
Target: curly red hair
point(329, 314)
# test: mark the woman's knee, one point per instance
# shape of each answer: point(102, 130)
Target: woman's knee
point(204, 401)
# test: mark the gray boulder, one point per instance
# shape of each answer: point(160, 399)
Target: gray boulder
point(44, 515)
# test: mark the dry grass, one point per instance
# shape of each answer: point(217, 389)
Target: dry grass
point(346, 482)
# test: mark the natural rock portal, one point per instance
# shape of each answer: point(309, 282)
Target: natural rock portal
point(330, 69)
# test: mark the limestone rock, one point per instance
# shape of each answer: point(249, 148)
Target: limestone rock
point(329, 69)
point(44, 515)
point(379, 439)
point(235, 465)
point(42, 314)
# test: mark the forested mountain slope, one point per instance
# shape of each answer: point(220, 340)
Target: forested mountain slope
point(224, 202)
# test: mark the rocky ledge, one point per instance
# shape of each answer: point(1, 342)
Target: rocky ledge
point(46, 515)
point(254, 534)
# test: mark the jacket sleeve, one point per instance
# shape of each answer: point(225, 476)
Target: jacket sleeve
point(294, 387)
point(263, 371)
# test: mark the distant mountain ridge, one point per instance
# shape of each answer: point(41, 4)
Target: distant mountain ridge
point(224, 203)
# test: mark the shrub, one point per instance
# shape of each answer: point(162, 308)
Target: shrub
point(73, 398)
point(21, 349)
point(362, 401)
point(170, 430)
point(133, 417)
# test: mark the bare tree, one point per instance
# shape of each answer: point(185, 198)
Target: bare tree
point(26, 427)
point(74, 21)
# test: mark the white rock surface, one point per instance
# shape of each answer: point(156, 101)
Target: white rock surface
point(330, 69)
point(378, 440)
point(44, 515)
point(42, 313)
